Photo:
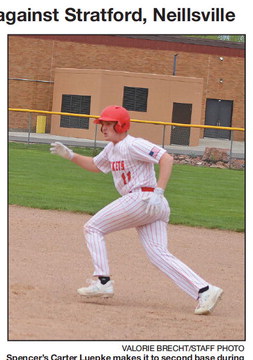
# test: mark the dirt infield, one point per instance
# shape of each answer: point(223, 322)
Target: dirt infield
point(48, 261)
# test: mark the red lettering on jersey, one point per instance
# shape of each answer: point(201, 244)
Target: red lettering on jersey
point(118, 165)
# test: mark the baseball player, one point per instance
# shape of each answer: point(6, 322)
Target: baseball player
point(142, 205)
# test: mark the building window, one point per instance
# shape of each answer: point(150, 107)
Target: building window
point(76, 104)
point(135, 99)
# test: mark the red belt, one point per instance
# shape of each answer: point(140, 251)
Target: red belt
point(147, 189)
point(151, 189)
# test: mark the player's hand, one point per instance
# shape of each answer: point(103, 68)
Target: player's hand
point(154, 202)
point(59, 149)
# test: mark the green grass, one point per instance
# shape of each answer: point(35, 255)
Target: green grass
point(41, 180)
point(209, 197)
point(198, 196)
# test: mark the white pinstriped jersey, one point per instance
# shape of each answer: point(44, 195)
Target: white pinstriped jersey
point(131, 162)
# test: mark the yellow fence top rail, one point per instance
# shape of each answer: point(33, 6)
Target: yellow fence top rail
point(133, 120)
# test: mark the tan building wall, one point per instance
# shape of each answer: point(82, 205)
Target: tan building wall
point(106, 88)
point(36, 57)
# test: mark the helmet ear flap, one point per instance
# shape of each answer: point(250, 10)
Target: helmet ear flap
point(116, 127)
point(120, 128)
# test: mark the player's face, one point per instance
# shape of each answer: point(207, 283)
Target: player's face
point(108, 131)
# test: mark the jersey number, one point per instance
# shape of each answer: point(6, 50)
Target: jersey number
point(126, 177)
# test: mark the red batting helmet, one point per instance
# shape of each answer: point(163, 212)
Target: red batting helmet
point(118, 114)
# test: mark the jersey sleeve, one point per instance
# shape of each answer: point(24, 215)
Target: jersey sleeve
point(144, 150)
point(102, 162)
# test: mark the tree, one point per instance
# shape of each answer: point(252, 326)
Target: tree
point(237, 38)
point(223, 37)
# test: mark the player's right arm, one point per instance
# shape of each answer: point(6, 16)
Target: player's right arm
point(85, 162)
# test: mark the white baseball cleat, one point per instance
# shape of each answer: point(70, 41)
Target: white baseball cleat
point(208, 300)
point(96, 289)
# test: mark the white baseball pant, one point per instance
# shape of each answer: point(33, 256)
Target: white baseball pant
point(127, 212)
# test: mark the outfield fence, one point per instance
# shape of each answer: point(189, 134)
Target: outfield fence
point(163, 124)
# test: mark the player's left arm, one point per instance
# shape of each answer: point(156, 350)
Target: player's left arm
point(155, 199)
point(165, 169)
point(144, 150)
